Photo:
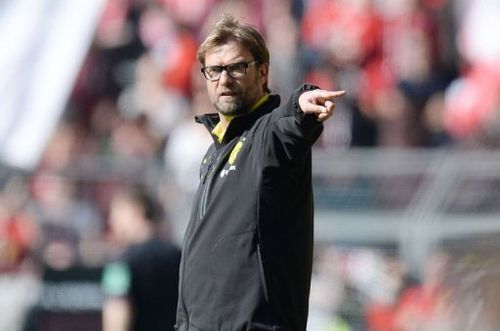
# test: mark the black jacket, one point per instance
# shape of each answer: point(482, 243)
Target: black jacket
point(247, 256)
point(154, 271)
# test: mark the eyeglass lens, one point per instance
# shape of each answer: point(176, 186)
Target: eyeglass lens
point(234, 70)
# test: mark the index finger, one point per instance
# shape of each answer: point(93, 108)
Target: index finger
point(330, 94)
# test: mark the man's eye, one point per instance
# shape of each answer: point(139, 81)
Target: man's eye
point(235, 67)
point(215, 69)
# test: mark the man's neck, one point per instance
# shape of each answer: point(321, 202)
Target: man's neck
point(224, 120)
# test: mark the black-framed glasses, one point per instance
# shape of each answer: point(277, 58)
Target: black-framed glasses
point(234, 70)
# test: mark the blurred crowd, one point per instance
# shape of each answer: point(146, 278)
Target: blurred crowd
point(418, 73)
point(368, 288)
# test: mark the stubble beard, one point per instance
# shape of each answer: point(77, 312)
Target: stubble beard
point(235, 108)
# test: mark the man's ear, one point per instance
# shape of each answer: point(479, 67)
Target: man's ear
point(264, 71)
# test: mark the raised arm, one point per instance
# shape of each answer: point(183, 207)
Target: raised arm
point(297, 125)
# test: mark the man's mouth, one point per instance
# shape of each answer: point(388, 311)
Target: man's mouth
point(227, 94)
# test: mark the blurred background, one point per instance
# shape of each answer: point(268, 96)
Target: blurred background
point(95, 95)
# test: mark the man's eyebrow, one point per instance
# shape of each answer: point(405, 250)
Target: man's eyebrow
point(240, 60)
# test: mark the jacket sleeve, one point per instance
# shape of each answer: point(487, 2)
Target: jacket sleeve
point(293, 132)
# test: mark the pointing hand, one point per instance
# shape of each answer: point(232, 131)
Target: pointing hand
point(319, 102)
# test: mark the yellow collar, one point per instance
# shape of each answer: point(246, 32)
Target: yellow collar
point(260, 102)
point(219, 131)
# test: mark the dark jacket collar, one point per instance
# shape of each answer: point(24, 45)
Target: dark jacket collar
point(240, 123)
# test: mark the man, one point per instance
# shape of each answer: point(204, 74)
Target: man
point(141, 287)
point(247, 254)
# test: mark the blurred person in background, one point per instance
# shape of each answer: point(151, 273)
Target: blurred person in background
point(18, 235)
point(328, 292)
point(247, 254)
point(141, 285)
point(18, 230)
point(471, 101)
point(282, 32)
point(428, 305)
point(390, 280)
point(67, 253)
point(341, 40)
point(65, 218)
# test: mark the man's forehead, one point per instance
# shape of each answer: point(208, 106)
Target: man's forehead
point(227, 51)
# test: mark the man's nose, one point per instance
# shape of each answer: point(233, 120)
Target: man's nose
point(224, 78)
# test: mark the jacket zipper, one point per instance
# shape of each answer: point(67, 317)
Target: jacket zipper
point(207, 181)
point(206, 186)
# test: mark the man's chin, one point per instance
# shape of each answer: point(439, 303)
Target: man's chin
point(230, 109)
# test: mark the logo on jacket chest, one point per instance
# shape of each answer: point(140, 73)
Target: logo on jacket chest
point(233, 156)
